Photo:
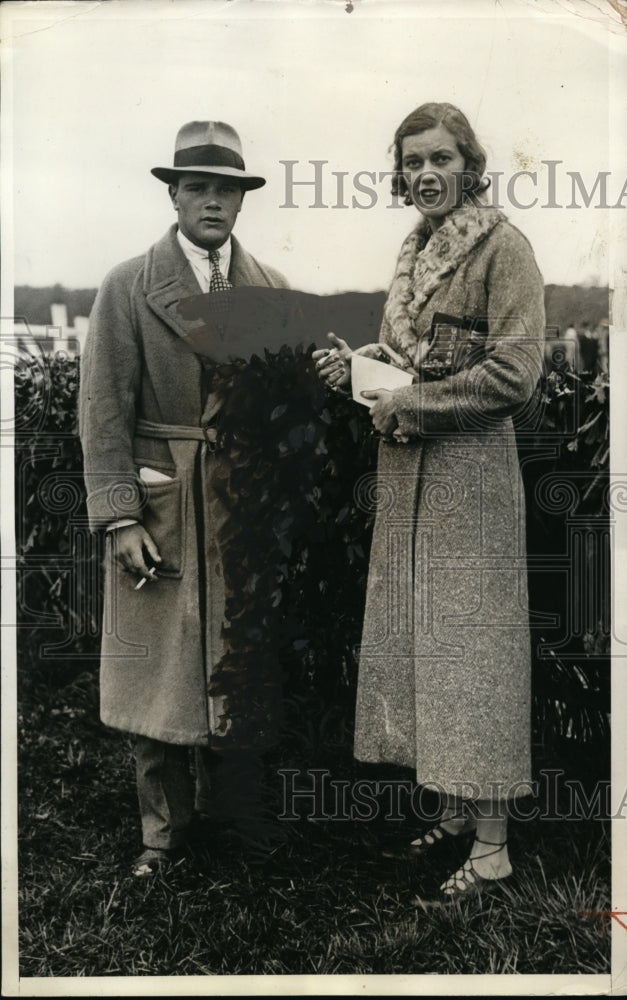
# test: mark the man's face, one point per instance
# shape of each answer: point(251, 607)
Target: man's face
point(207, 207)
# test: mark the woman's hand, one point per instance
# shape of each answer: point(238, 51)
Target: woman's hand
point(333, 365)
point(382, 413)
point(382, 352)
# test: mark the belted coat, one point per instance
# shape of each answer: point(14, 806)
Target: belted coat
point(444, 668)
point(159, 643)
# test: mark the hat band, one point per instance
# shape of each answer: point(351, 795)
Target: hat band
point(208, 156)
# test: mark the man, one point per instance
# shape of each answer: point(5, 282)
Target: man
point(147, 411)
point(571, 338)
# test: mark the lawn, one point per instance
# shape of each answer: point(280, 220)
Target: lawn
point(325, 902)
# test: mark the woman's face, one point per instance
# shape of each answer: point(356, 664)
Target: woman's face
point(433, 167)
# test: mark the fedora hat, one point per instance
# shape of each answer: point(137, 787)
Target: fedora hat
point(208, 148)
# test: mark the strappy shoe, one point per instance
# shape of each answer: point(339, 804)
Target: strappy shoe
point(432, 838)
point(155, 861)
point(466, 882)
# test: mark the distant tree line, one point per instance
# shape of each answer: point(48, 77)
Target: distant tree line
point(33, 304)
point(578, 304)
point(565, 304)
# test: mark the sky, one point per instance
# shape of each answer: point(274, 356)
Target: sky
point(100, 90)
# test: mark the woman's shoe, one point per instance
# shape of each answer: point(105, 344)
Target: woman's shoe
point(433, 837)
point(154, 861)
point(466, 882)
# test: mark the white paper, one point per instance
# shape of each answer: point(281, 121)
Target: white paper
point(368, 374)
point(148, 475)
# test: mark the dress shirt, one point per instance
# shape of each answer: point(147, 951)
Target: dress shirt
point(199, 259)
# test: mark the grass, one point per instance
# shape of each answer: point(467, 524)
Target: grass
point(326, 902)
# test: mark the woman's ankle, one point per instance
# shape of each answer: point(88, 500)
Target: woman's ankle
point(455, 820)
point(490, 860)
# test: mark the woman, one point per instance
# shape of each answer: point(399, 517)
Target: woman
point(444, 673)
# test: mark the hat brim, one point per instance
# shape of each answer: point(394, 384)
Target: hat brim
point(170, 174)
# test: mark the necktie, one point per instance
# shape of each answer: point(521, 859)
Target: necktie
point(219, 287)
point(219, 311)
point(218, 282)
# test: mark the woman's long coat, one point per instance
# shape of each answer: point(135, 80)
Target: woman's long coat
point(444, 676)
point(159, 643)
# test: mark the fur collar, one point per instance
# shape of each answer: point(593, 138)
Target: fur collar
point(425, 260)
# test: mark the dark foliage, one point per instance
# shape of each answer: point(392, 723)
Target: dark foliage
point(297, 541)
point(570, 505)
point(58, 559)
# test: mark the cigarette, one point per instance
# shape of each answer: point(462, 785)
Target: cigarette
point(144, 578)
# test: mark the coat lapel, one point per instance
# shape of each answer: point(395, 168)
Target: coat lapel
point(244, 269)
point(169, 280)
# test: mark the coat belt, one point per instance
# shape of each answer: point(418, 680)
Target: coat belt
point(181, 432)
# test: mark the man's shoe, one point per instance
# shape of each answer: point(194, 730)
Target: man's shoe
point(156, 861)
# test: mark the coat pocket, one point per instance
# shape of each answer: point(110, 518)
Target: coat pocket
point(164, 520)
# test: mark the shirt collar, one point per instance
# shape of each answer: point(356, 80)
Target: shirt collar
point(192, 252)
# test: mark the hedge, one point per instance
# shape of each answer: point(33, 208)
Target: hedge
point(298, 559)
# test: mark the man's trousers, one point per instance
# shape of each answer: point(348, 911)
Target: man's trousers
point(226, 786)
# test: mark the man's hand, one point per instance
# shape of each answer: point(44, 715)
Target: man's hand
point(382, 413)
point(129, 544)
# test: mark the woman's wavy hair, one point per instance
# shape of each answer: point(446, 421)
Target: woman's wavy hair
point(431, 116)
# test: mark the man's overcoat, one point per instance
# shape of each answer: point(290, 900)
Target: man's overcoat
point(141, 405)
point(444, 673)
